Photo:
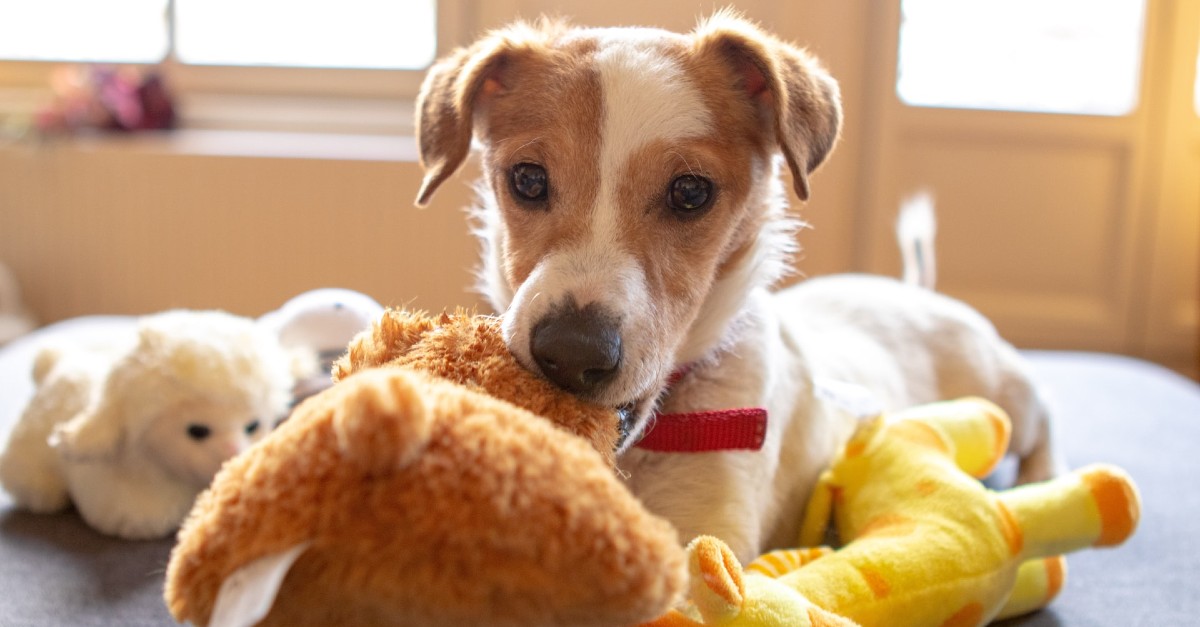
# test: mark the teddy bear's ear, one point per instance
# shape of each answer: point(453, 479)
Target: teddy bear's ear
point(381, 419)
point(391, 336)
point(247, 594)
point(94, 434)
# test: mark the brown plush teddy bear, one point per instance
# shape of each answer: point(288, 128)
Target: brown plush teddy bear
point(437, 483)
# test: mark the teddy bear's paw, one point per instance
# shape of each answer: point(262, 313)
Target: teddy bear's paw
point(381, 419)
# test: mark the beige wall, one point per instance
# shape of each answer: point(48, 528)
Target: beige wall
point(116, 226)
point(107, 227)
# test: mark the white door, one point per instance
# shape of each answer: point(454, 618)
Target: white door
point(1061, 141)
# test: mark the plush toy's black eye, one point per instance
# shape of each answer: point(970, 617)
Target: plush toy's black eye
point(198, 432)
point(689, 194)
point(252, 427)
point(530, 182)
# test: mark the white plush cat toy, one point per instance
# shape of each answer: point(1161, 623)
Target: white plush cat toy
point(132, 431)
point(321, 322)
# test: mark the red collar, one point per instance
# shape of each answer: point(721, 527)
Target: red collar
point(741, 429)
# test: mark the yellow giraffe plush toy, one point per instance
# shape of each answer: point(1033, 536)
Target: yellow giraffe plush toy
point(926, 544)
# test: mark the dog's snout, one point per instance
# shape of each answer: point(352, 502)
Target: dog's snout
point(578, 349)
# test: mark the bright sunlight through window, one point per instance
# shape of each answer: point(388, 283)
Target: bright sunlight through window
point(374, 34)
point(1055, 56)
point(382, 34)
point(121, 31)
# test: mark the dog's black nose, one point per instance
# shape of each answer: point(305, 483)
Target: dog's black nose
point(578, 349)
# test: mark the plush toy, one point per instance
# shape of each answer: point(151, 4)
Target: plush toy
point(926, 543)
point(437, 483)
point(321, 323)
point(131, 429)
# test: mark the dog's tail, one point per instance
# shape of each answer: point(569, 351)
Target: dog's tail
point(915, 230)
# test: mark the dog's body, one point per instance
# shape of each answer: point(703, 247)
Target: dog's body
point(634, 222)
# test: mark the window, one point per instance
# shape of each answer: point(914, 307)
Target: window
point(123, 31)
point(293, 65)
point(1055, 56)
point(376, 34)
point(1196, 87)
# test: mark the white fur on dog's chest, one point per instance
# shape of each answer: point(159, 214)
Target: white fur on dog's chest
point(700, 492)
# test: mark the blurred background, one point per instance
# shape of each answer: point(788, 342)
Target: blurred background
point(1060, 139)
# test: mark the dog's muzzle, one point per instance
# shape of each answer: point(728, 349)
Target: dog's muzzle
point(577, 349)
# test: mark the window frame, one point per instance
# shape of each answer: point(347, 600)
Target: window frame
point(269, 97)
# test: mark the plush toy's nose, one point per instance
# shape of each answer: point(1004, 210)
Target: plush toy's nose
point(578, 349)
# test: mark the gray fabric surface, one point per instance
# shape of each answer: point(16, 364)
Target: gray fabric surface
point(54, 570)
point(1147, 420)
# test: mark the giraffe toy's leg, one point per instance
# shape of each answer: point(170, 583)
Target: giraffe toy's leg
point(1093, 506)
point(978, 431)
point(1038, 582)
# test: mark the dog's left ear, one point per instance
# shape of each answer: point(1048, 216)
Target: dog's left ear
point(790, 88)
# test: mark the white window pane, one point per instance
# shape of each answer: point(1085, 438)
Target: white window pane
point(1196, 87)
point(1059, 56)
point(128, 31)
point(391, 34)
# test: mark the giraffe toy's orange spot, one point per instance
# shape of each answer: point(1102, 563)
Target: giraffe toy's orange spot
point(1056, 574)
point(970, 615)
point(927, 487)
point(876, 582)
point(1010, 528)
point(888, 525)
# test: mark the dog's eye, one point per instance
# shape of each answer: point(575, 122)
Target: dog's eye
point(198, 432)
point(252, 427)
point(689, 194)
point(529, 181)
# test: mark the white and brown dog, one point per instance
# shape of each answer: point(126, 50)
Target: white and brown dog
point(633, 223)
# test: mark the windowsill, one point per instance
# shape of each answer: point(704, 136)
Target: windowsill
point(233, 125)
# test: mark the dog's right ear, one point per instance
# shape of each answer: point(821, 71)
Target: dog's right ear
point(456, 87)
point(446, 105)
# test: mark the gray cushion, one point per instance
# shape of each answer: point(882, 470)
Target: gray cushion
point(54, 570)
point(1147, 420)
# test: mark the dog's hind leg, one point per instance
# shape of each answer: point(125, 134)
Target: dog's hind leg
point(1033, 440)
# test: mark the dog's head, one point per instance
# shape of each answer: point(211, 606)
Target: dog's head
point(629, 195)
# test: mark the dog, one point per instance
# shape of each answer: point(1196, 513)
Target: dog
point(633, 223)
